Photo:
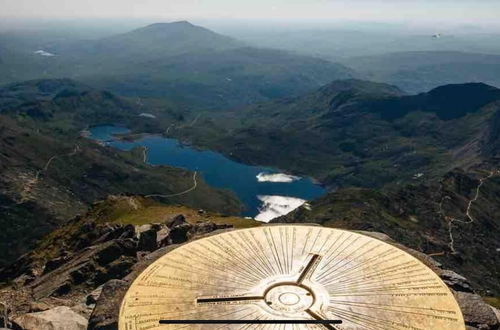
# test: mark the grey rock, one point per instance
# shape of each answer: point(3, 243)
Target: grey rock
point(455, 281)
point(162, 237)
point(90, 268)
point(176, 221)
point(57, 318)
point(92, 297)
point(147, 240)
point(477, 314)
point(179, 233)
point(38, 306)
point(107, 309)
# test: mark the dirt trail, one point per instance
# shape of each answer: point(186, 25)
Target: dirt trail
point(31, 183)
point(469, 219)
point(195, 184)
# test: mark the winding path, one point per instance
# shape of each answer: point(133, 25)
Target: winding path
point(469, 219)
point(195, 185)
point(28, 187)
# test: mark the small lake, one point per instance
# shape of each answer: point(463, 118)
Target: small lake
point(265, 192)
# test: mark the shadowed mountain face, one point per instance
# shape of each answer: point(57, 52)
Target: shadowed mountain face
point(447, 102)
point(187, 63)
point(361, 133)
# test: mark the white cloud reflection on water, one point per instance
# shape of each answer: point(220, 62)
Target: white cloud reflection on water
point(276, 177)
point(275, 206)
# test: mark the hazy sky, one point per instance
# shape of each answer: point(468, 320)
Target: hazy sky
point(453, 11)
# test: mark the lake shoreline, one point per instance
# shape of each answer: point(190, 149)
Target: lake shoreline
point(217, 170)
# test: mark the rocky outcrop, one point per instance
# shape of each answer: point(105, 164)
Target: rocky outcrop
point(58, 318)
point(93, 281)
point(93, 263)
point(105, 313)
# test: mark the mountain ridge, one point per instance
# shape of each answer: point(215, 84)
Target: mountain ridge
point(366, 134)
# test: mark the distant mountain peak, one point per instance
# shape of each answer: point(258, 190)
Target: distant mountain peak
point(166, 25)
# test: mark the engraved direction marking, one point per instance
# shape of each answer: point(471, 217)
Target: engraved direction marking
point(289, 272)
point(216, 300)
point(309, 268)
point(319, 318)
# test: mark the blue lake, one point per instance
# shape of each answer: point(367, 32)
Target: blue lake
point(221, 172)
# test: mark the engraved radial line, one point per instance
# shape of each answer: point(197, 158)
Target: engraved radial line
point(259, 244)
point(333, 269)
point(228, 252)
point(368, 305)
point(274, 249)
point(292, 255)
point(307, 239)
point(315, 240)
point(253, 262)
point(324, 242)
point(333, 244)
point(404, 312)
point(338, 253)
point(247, 263)
point(281, 263)
point(285, 246)
point(202, 258)
point(255, 246)
point(361, 254)
point(385, 321)
point(330, 248)
point(364, 263)
point(394, 277)
point(348, 245)
point(307, 270)
point(388, 290)
point(244, 266)
point(373, 275)
point(201, 270)
point(393, 286)
point(328, 257)
point(377, 272)
point(258, 258)
point(285, 259)
point(230, 261)
point(318, 317)
point(344, 317)
point(361, 318)
point(249, 325)
point(378, 280)
point(241, 318)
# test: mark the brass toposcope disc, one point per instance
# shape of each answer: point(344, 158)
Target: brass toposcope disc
point(286, 273)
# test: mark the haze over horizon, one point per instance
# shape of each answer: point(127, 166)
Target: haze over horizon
point(424, 12)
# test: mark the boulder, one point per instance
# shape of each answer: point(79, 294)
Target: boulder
point(90, 268)
point(202, 228)
point(147, 240)
point(176, 221)
point(477, 314)
point(92, 297)
point(38, 306)
point(179, 233)
point(455, 281)
point(57, 318)
point(162, 237)
point(107, 309)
